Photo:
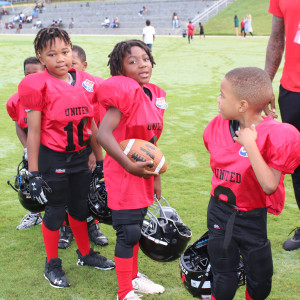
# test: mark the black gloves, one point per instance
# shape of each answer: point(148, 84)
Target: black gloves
point(37, 186)
point(98, 171)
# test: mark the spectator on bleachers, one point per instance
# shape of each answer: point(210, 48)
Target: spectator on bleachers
point(142, 11)
point(71, 24)
point(106, 23)
point(175, 20)
point(114, 23)
point(28, 19)
point(19, 27)
point(16, 19)
point(39, 23)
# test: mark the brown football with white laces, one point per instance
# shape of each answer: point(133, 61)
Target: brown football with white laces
point(140, 150)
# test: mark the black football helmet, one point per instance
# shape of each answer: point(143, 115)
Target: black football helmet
point(164, 236)
point(195, 269)
point(97, 201)
point(21, 186)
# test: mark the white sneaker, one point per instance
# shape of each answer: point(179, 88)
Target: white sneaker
point(29, 220)
point(131, 296)
point(143, 284)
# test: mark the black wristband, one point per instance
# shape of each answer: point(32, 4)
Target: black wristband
point(35, 174)
point(99, 163)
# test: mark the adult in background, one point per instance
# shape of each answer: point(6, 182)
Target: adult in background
point(236, 23)
point(286, 34)
point(148, 34)
point(248, 25)
point(175, 20)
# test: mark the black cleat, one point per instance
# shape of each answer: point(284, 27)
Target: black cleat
point(54, 274)
point(294, 242)
point(94, 259)
point(96, 235)
point(65, 237)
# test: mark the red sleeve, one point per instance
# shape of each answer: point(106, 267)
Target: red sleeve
point(284, 148)
point(31, 91)
point(209, 131)
point(119, 92)
point(11, 106)
point(274, 8)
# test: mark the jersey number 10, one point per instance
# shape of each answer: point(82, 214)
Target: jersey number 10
point(70, 132)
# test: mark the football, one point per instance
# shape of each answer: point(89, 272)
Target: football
point(140, 150)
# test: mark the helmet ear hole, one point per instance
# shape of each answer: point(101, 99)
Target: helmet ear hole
point(97, 201)
point(164, 236)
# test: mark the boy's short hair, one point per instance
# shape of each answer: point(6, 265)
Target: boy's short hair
point(80, 52)
point(31, 60)
point(251, 84)
point(148, 22)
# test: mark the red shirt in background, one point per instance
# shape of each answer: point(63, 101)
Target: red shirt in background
point(290, 11)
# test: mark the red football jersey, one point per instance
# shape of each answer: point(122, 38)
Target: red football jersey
point(142, 118)
point(67, 110)
point(290, 11)
point(16, 111)
point(233, 178)
point(191, 28)
point(98, 109)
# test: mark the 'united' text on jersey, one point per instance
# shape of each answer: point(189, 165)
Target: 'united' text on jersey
point(227, 175)
point(76, 111)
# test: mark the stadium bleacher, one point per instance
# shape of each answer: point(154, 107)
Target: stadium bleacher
point(88, 16)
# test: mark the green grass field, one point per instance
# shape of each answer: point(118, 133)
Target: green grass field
point(222, 24)
point(191, 75)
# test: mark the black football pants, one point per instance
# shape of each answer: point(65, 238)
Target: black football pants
point(249, 239)
point(69, 176)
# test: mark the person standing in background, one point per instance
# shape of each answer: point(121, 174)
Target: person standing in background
point(191, 28)
point(201, 30)
point(148, 34)
point(175, 20)
point(236, 23)
point(248, 25)
point(243, 28)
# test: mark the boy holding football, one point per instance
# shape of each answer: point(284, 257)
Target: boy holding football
point(249, 156)
point(131, 104)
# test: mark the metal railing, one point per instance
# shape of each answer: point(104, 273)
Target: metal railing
point(211, 11)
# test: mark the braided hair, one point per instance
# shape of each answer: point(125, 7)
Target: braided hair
point(115, 61)
point(49, 34)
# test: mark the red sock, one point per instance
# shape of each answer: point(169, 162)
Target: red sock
point(124, 271)
point(51, 242)
point(135, 268)
point(248, 296)
point(80, 231)
point(212, 297)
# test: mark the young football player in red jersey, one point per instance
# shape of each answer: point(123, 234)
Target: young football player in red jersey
point(249, 156)
point(18, 114)
point(133, 105)
point(95, 234)
point(61, 129)
point(191, 28)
